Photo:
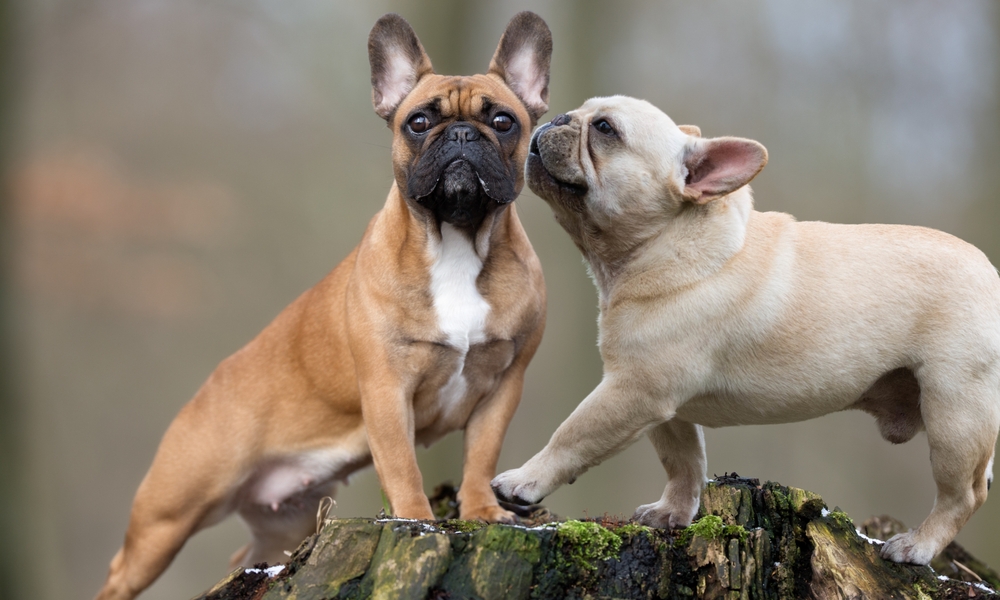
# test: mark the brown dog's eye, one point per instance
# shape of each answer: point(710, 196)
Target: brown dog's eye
point(503, 122)
point(604, 127)
point(419, 123)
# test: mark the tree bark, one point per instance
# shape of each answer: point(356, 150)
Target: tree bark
point(749, 541)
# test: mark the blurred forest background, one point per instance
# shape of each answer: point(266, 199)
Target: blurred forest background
point(177, 171)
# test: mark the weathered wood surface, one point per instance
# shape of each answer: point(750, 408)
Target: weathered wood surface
point(750, 541)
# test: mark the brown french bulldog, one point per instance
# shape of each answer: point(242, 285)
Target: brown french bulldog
point(425, 328)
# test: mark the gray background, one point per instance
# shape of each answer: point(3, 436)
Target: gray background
point(177, 171)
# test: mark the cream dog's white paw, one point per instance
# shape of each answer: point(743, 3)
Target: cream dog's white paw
point(664, 515)
point(905, 548)
point(518, 486)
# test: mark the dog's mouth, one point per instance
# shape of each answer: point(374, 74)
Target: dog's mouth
point(461, 177)
point(548, 186)
point(547, 168)
point(460, 196)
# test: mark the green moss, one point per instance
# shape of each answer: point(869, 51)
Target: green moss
point(496, 563)
point(463, 526)
point(633, 529)
point(584, 543)
point(799, 498)
point(736, 531)
point(502, 538)
point(708, 527)
point(781, 499)
point(842, 520)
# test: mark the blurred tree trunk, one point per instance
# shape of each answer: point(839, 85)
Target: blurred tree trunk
point(751, 541)
point(14, 583)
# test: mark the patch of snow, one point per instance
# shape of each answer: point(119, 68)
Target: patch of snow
point(824, 512)
point(535, 528)
point(983, 587)
point(868, 539)
point(270, 571)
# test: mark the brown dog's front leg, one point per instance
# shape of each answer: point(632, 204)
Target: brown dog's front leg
point(484, 435)
point(610, 419)
point(388, 413)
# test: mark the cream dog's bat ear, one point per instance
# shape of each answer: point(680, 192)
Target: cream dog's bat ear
point(398, 62)
point(719, 166)
point(690, 130)
point(522, 60)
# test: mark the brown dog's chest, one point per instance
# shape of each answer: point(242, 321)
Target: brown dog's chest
point(465, 355)
point(454, 384)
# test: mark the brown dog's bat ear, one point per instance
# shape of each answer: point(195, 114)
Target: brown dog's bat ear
point(398, 62)
point(693, 130)
point(522, 60)
point(719, 166)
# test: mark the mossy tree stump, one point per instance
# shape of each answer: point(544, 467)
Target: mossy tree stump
point(750, 541)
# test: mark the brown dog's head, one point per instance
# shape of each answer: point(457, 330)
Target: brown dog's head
point(459, 143)
point(617, 169)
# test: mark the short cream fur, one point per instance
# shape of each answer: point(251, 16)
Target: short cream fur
point(714, 314)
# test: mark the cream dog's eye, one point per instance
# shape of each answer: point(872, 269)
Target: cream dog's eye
point(419, 123)
point(503, 122)
point(604, 127)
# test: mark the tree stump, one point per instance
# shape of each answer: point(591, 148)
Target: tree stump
point(749, 541)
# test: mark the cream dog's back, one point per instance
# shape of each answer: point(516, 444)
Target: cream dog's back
point(801, 296)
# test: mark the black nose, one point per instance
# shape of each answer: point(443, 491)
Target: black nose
point(461, 133)
point(561, 119)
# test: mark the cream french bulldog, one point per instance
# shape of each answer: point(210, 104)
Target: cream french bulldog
point(713, 314)
point(426, 327)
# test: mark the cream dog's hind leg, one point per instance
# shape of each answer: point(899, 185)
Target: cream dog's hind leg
point(962, 446)
point(961, 415)
point(681, 448)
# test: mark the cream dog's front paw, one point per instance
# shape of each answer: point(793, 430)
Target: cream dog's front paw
point(664, 515)
point(906, 548)
point(518, 486)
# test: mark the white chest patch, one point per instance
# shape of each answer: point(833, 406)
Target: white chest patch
point(461, 310)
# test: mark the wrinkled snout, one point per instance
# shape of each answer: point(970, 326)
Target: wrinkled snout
point(460, 176)
point(557, 144)
point(553, 167)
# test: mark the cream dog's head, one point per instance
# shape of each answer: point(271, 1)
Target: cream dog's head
point(616, 169)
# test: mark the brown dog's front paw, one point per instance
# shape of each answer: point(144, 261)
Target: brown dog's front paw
point(490, 514)
point(420, 511)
